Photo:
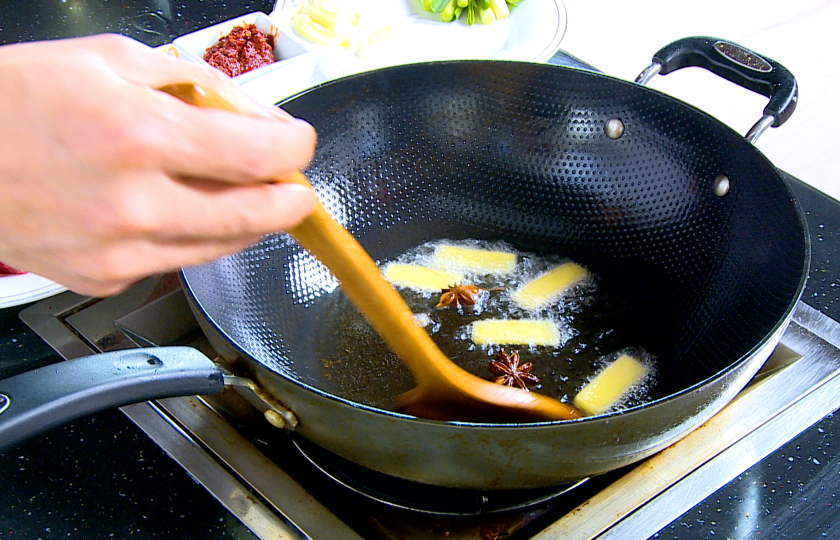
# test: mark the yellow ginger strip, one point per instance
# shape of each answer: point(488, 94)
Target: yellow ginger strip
point(473, 260)
point(420, 278)
point(610, 385)
point(546, 288)
point(515, 332)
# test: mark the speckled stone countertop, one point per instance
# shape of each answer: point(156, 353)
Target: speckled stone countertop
point(101, 477)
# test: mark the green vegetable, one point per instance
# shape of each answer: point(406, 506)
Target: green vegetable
point(486, 11)
point(486, 16)
point(500, 9)
point(448, 12)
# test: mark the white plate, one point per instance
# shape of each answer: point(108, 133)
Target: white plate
point(533, 32)
point(25, 288)
point(305, 71)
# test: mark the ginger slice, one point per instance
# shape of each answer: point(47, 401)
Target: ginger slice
point(546, 288)
point(474, 260)
point(610, 385)
point(516, 332)
point(420, 278)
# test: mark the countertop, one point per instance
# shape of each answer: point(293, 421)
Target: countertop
point(100, 477)
point(620, 38)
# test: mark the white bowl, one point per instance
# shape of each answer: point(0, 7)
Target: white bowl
point(303, 72)
point(195, 44)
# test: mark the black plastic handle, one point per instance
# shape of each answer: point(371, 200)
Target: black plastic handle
point(738, 65)
point(47, 397)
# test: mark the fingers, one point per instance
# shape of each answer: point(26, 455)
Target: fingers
point(110, 271)
point(159, 130)
point(221, 145)
point(166, 209)
point(107, 180)
point(189, 225)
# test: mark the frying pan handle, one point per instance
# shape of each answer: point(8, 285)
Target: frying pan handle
point(738, 65)
point(47, 397)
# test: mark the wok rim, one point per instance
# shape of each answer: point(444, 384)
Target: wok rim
point(781, 324)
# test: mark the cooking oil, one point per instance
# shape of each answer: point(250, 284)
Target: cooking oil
point(361, 368)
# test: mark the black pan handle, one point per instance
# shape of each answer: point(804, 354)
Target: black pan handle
point(738, 65)
point(47, 397)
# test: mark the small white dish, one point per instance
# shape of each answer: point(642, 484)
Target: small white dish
point(303, 72)
point(25, 288)
point(195, 44)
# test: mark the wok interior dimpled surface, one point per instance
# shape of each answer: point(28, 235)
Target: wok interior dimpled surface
point(517, 152)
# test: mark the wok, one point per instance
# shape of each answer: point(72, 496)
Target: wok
point(683, 221)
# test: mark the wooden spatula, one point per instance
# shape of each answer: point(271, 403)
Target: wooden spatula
point(444, 391)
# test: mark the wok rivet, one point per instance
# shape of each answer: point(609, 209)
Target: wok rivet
point(721, 186)
point(275, 419)
point(614, 128)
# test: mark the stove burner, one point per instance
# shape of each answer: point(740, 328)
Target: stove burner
point(423, 498)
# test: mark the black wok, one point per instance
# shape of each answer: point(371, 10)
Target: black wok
point(682, 221)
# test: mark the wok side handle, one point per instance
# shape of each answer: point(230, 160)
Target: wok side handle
point(736, 64)
point(47, 397)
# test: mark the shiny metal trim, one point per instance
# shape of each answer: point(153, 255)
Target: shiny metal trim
point(236, 498)
point(46, 319)
point(279, 489)
point(4, 402)
point(275, 412)
point(763, 124)
point(648, 73)
point(782, 402)
point(822, 326)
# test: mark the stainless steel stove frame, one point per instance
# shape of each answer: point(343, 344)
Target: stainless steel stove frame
point(798, 386)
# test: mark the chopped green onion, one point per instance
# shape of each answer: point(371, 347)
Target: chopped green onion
point(500, 9)
point(448, 12)
point(486, 11)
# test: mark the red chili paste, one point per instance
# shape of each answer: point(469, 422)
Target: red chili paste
point(243, 49)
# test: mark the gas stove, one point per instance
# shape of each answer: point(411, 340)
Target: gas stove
point(281, 486)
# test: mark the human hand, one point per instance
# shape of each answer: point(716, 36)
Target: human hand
point(104, 180)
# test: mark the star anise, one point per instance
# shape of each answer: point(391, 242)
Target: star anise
point(459, 295)
point(508, 371)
